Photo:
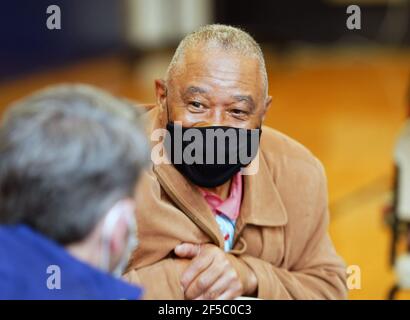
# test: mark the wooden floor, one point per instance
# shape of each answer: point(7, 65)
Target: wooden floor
point(347, 106)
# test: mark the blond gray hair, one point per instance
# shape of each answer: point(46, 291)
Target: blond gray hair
point(221, 36)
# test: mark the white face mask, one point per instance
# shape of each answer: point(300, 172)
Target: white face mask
point(121, 209)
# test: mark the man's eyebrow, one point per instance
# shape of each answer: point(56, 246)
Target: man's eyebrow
point(246, 98)
point(194, 89)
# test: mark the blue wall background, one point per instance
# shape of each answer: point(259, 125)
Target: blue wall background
point(89, 28)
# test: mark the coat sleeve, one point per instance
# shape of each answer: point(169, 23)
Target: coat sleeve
point(152, 265)
point(161, 280)
point(318, 273)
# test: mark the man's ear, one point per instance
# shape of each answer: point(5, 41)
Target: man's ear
point(160, 92)
point(161, 96)
point(268, 103)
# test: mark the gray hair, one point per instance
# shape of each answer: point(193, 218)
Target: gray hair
point(221, 36)
point(68, 154)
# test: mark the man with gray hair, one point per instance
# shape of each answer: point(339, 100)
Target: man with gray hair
point(70, 159)
point(226, 229)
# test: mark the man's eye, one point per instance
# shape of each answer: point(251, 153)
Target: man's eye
point(196, 106)
point(239, 112)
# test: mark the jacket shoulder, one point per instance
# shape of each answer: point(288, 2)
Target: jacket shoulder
point(278, 148)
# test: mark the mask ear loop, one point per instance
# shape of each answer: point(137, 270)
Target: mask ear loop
point(132, 243)
point(111, 220)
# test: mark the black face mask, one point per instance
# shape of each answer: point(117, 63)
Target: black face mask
point(210, 156)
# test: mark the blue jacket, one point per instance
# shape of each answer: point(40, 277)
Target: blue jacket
point(34, 267)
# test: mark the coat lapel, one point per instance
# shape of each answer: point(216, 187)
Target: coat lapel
point(189, 199)
point(261, 202)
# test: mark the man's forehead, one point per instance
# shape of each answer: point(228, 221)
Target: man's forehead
point(218, 59)
point(217, 67)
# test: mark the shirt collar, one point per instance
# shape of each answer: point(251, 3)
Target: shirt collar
point(229, 207)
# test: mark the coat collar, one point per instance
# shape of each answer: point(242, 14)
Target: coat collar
point(261, 202)
point(189, 199)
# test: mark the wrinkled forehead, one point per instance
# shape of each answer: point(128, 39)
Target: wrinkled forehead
point(219, 69)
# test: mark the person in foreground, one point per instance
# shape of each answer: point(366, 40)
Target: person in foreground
point(70, 159)
point(253, 227)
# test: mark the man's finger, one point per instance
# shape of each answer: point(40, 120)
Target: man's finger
point(215, 290)
point(187, 250)
point(230, 294)
point(204, 281)
point(198, 265)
